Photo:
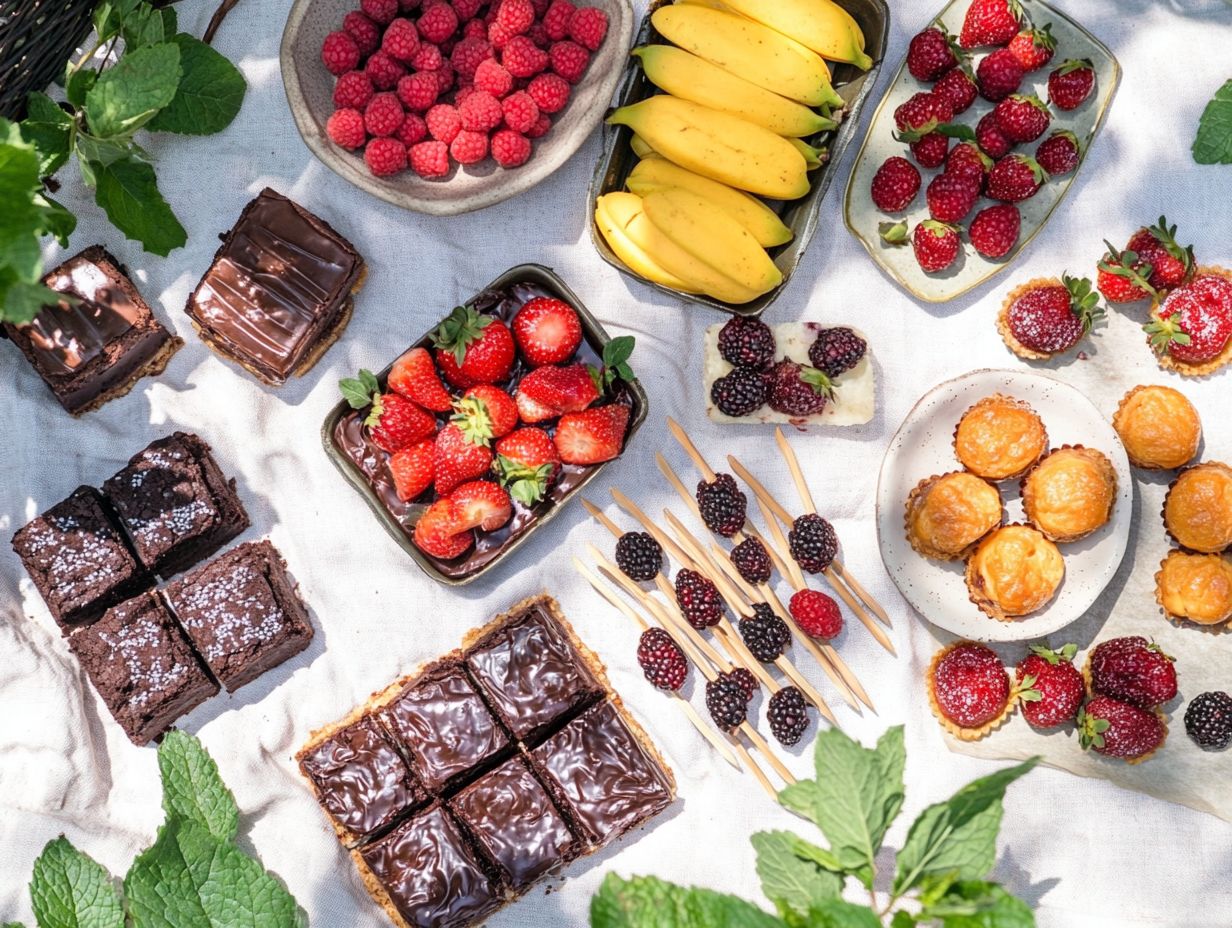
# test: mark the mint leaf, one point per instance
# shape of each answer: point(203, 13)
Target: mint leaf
point(48, 129)
point(192, 787)
point(133, 90)
point(788, 879)
point(1213, 143)
point(646, 902)
point(13, 925)
point(144, 26)
point(835, 913)
point(109, 17)
point(903, 919)
point(210, 92)
point(359, 391)
point(54, 218)
point(128, 191)
point(802, 798)
point(70, 890)
point(102, 151)
point(976, 904)
point(79, 85)
point(22, 301)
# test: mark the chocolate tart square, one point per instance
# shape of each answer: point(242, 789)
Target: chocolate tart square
point(78, 560)
point(175, 504)
point(242, 613)
point(96, 347)
point(142, 666)
point(279, 290)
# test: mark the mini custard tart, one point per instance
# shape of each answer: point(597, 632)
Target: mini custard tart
point(1159, 427)
point(1070, 493)
point(1014, 572)
point(947, 514)
point(1195, 587)
point(1198, 508)
point(969, 690)
point(1000, 438)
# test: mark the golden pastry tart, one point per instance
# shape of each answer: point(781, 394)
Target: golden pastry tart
point(946, 515)
point(1013, 572)
point(1196, 587)
point(1070, 493)
point(1159, 427)
point(1198, 508)
point(1000, 437)
point(969, 690)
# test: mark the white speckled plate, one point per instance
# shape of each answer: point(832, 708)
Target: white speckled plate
point(923, 446)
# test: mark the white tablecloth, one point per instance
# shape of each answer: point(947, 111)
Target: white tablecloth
point(1086, 853)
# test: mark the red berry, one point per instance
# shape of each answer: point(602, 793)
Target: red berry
point(468, 55)
point(515, 16)
point(1015, 178)
point(697, 597)
point(936, 245)
point(1132, 670)
point(588, 26)
point(1022, 117)
point(394, 422)
point(414, 376)
point(473, 347)
point(990, 138)
point(966, 159)
point(418, 91)
point(1059, 153)
point(444, 123)
point(430, 159)
point(467, 10)
point(556, 19)
point(951, 196)
point(384, 71)
point(444, 76)
point(661, 659)
point(437, 23)
point(483, 505)
point(931, 54)
point(560, 389)
point(458, 459)
point(1195, 321)
point(522, 58)
point(510, 149)
point(957, 87)
point(412, 469)
point(1054, 318)
point(475, 29)
point(1049, 687)
point(593, 435)
point(931, 150)
point(1123, 276)
point(1171, 264)
point(969, 685)
point(547, 331)
point(383, 115)
point(487, 411)
point(999, 75)
point(385, 156)
point(541, 127)
point(520, 111)
point(895, 185)
point(491, 77)
point(569, 60)
point(346, 128)
point(816, 613)
point(1071, 84)
point(381, 11)
point(549, 91)
point(480, 112)
point(428, 58)
point(353, 90)
point(469, 147)
point(1117, 729)
point(437, 532)
point(922, 112)
point(401, 40)
point(340, 52)
point(365, 32)
point(994, 230)
point(990, 22)
point(528, 463)
point(1033, 47)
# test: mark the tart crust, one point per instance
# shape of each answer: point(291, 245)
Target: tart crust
point(917, 503)
point(1096, 510)
point(958, 731)
point(1135, 429)
point(1207, 572)
point(991, 463)
point(1003, 319)
point(1169, 363)
point(1047, 577)
point(1182, 534)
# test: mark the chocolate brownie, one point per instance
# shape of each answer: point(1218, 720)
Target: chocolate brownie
point(142, 667)
point(279, 290)
point(96, 347)
point(175, 503)
point(242, 613)
point(78, 561)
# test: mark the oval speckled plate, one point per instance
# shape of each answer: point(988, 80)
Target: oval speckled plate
point(923, 446)
point(971, 269)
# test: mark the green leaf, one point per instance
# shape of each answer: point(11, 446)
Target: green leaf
point(128, 191)
point(79, 85)
point(170, 21)
point(192, 787)
point(102, 151)
point(109, 17)
point(646, 902)
point(358, 391)
point(959, 835)
point(1213, 143)
point(835, 913)
point(21, 301)
point(70, 890)
point(903, 919)
point(191, 879)
point(976, 904)
point(801, 798)
point(789, 879)
point(144, 26)
point(13, 925)
point(49, 129)
point(133, 90)
point(209, 95)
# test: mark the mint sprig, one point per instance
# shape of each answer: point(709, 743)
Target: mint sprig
point(73, 890)
point(616, 354)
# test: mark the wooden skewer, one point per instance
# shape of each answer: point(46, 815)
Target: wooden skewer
point(775, 538)
point(690, 449)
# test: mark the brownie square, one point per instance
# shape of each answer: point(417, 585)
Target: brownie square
point(78, 561)
point(175, 504)
point(242, 613)
point(360, 779)
point(444, 726)
point(95, 348)
point(431, 875)
point(530, 672)
point(279, 290)
point(514, 820)
point(601, 775)
point(142, 667)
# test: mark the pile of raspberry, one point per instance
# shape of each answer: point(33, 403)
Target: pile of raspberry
point(425, 84)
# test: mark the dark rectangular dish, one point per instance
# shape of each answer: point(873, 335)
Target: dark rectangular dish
point(363, 465)
point(801, 216)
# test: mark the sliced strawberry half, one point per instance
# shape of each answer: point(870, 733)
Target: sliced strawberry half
point(415, 377)
point(592, 436)
point(438, 532)
point(561, 389)
point(482, 504)
point(413, 470)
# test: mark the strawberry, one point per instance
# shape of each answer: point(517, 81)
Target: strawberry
point(990, 22)
point(531, 412)
point(413, 470)
point(393, 421)
point(936, 245)
point(1060, 153)
point(482, 504)
point(990, 138)
point(1132, 670)
point(951, 196)
point(1071, 84)
point(922, 113)
point(473, 347)
point(1049, 686)
point(970, 686)
point(547, 330)
point(414, 376)
point(994, 230)
point(591, 436)
point(1116, 729)
point(931, 54)
point(999, 75)
point(485, 412)
point(1034, 47)
point(966, 160)
point(930, 151)
point(560, 389)
point(527, 463)
point(1171, 265)
point(1022, 117)
point(1194, 322)
point(438, 532)
point(895, 185)
point(1015, 178)
point(458, 459)
point(1053, 319)
point(1123, 276)
point(958, 89)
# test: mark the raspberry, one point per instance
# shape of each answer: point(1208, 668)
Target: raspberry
point(515, 16)
point(740, 393)
point(460, 97)
point(401, 41)
point(539, 36)
point(510, 149)
point(569, 60)
point(549, 91)
point(661, 659)
point(475, 29)
point(746, 342)
point(384, 71)
point(412, 130)
point(787, 714)
point(522, 58)
point(726, 702)
point(816, 613)
point(365, 32)
point(764, 634)
point(384, 115)
point(588, 26)
point(418, 91)
point(698, 599)
point(385, 156)
point(408, 5)
point(752, 561)
point(556, 19)
point(469, 147)
point(499, 36)
point(444, 76)
point(340, 52)
point(639, 556)
point(541, 127)
point(541, 7)
point(430, 159)
point(491, 77)
point(722, 505)
point(467, 10)
point(468, 55)
point(443, 122)
point(813, 543)
point(353, 90)
point(520, 111)
point(480, 112)
point(381, 11)
point(346, 128)
point(836, 351)
point(428, 58)
point(438, 23)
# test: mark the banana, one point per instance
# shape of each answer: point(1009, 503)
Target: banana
point(750, 50)
point(812, 156)
point(640, 146)
point(820, 25)
point(717, 145)
point(613, 212)
point(656, 173)
point(711, 236)
point(691, 78)
point(710, 4)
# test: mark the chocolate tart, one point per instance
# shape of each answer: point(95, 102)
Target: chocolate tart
point(1169, 363)
point(946, 515)
point(1070, 493)
point(1158, 426)
point(1195, 588)
point(1198, 508)
point(1000, 438)
point(958, 731)
point(1001, 587)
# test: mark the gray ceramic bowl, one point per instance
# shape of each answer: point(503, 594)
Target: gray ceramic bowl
point(310, 89)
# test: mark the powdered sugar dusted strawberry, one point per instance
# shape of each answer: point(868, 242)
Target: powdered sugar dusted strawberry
point(1113, 728)
point(1132, 670)
point(1049, 686)
point(1053, 318)
point(969, 685)
point(1193, 325)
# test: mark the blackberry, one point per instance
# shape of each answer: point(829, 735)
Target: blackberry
point(813, 543)
point(726, 702)
point(798, 390)
point(752, 561)
point(745, 342)
point(788, 715)
point(698, 599)
point(661, 659)
point(722, 505)
point(639, 556)
point(835, 351)
point(765, 634)
point(1208, 719)
point(746, 681)
point(739, 393)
